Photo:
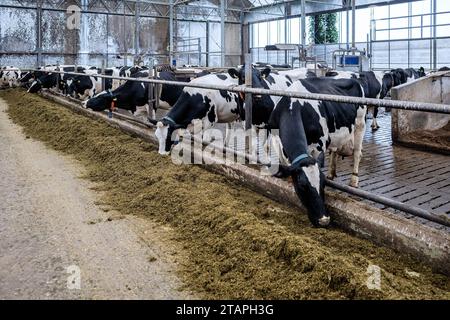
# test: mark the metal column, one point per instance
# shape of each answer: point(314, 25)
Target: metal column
point(348, 26)
point(39, 33)
point(137, 27)
point(434, 48)
point(207, 45)
point(372, 35)
point(248, 96)
point(107, 40)
point(409, 32)
point(353, 24)
point(303, 22)
point(125, 49)
point(222, 32)
point(171, 36)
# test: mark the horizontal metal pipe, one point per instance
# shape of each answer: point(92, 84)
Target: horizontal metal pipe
point(394, 104)
point(412, 16)
point(441, 219)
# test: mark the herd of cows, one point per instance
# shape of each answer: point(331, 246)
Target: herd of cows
point(306, 129)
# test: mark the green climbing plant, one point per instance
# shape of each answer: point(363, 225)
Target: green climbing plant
point(323, 28)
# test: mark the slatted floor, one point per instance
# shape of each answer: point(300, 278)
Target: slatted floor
point(410, 176)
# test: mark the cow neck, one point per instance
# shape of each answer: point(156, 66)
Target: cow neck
point(240, 106)
point(291, 130)
point(178, 110)
point(392, 80)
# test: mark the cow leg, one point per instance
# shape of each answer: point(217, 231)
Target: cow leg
point(91, 93)
point(360, 127)
point(374, 125)
point(332, 166)
point(151, 112)
point(227, 134)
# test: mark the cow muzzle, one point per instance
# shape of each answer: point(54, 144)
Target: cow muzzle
point(324, 221)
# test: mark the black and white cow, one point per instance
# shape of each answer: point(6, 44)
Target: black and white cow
point(220, 106)
point(133, 94)
point(377, 84)
point(264, 79)
point(45, 79)
point(208, 105)
point(374, 84)
point(297, 73)
point(85, 86)
point(402, 76)
point(306, 126)
point(412, 74)
point(10, 76)
point(65, 79)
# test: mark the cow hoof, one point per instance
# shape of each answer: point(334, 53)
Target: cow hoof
point(324, 221)
point(354, 182)
point(331, 177)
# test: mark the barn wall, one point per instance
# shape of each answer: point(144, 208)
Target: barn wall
point(102, 37)
point(233, 44)
point(109, 38)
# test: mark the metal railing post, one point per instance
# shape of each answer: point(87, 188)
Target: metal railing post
point(151, 92)
point(103, 73)
point(39, 33)
point(248, 96)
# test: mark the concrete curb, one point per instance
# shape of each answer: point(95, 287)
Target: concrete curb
point(429, 245)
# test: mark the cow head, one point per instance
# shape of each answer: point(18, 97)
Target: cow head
point(257, 76)
point(166, 134)
point(75, 85)
point(37, 84)
point(44, 81)
point(421, 72)
point(64, 81)
point(258, 81)
point(72, 86)
point(309, 185)
point(388, 82)
point(101, 101)
point(26, 77)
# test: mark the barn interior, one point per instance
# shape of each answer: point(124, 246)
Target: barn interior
point(401, 205)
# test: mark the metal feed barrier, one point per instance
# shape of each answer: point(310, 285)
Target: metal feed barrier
point(395, 104)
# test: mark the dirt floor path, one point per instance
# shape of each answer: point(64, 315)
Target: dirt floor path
point(50, 221)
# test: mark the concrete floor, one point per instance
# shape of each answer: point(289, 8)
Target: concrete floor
point(51, 224)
